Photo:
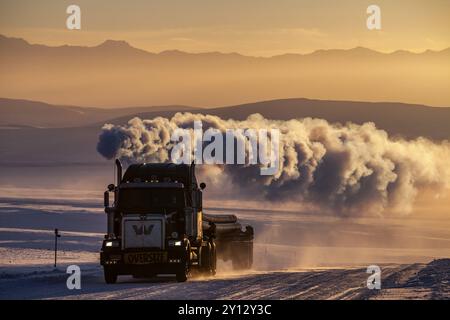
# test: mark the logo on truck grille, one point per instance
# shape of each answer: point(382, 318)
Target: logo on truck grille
point(143, 233)
point(146, 230)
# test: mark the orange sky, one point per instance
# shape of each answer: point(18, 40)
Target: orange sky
point(252, 27)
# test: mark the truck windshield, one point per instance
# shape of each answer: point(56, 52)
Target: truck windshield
point(148, 199)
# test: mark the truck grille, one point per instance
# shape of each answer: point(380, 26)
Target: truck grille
point(139, 233)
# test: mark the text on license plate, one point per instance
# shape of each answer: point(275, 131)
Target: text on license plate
point(145, 257)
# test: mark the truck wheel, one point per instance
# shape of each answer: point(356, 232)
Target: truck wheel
point(243, 257)
point(213, 258)
point(184, 271)
point(110, 275)
point(208, 259)
point(182, 276)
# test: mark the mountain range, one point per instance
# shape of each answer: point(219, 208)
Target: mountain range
point(15, 113)
point(115, 74)
point(39, 133)
point(421, 120)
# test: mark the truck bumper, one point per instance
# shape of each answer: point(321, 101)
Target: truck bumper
point(116, 260)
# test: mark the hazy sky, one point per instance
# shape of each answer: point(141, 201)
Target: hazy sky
point(253, 27)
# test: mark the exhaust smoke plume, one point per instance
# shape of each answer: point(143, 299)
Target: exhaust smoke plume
point(350, 169)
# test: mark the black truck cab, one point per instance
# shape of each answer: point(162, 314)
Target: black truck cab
point(156, 224)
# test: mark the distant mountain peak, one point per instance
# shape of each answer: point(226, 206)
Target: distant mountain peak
point(355, 51)
point(119, 47)
point(363, 50)
point(12, 41)
point(173, 52)
point(115, 44)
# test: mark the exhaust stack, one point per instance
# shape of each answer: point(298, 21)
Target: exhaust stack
point(110, 211)
point(119, 172)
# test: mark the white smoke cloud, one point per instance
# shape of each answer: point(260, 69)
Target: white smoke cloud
point(351, 169)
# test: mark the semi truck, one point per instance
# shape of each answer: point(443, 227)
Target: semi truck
point(156, 225)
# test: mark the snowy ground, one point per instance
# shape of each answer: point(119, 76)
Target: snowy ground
point(297, 256)
point(416, 281)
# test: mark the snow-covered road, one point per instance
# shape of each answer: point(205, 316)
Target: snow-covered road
point(297, 255)
point(417, 281)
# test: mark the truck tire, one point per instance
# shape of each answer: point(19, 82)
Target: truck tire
point(181, 276)
point(110, 275)
point(208, 259)
point(213, 258)
point(243, 256)
point(184, 270)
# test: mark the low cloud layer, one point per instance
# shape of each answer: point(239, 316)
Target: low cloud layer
point(348, 169)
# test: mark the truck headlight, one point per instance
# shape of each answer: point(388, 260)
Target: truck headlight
point(112, 244)
point(174, 243)
point(174, 234)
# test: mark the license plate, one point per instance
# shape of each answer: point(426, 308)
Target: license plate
point(145, 257)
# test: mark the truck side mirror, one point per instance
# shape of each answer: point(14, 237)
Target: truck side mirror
point(199, 199)
point(106, 199)
point(202, 186)
point(111, 187)
point(189, 221)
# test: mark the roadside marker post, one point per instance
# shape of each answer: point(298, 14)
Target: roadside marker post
point(57, 235)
